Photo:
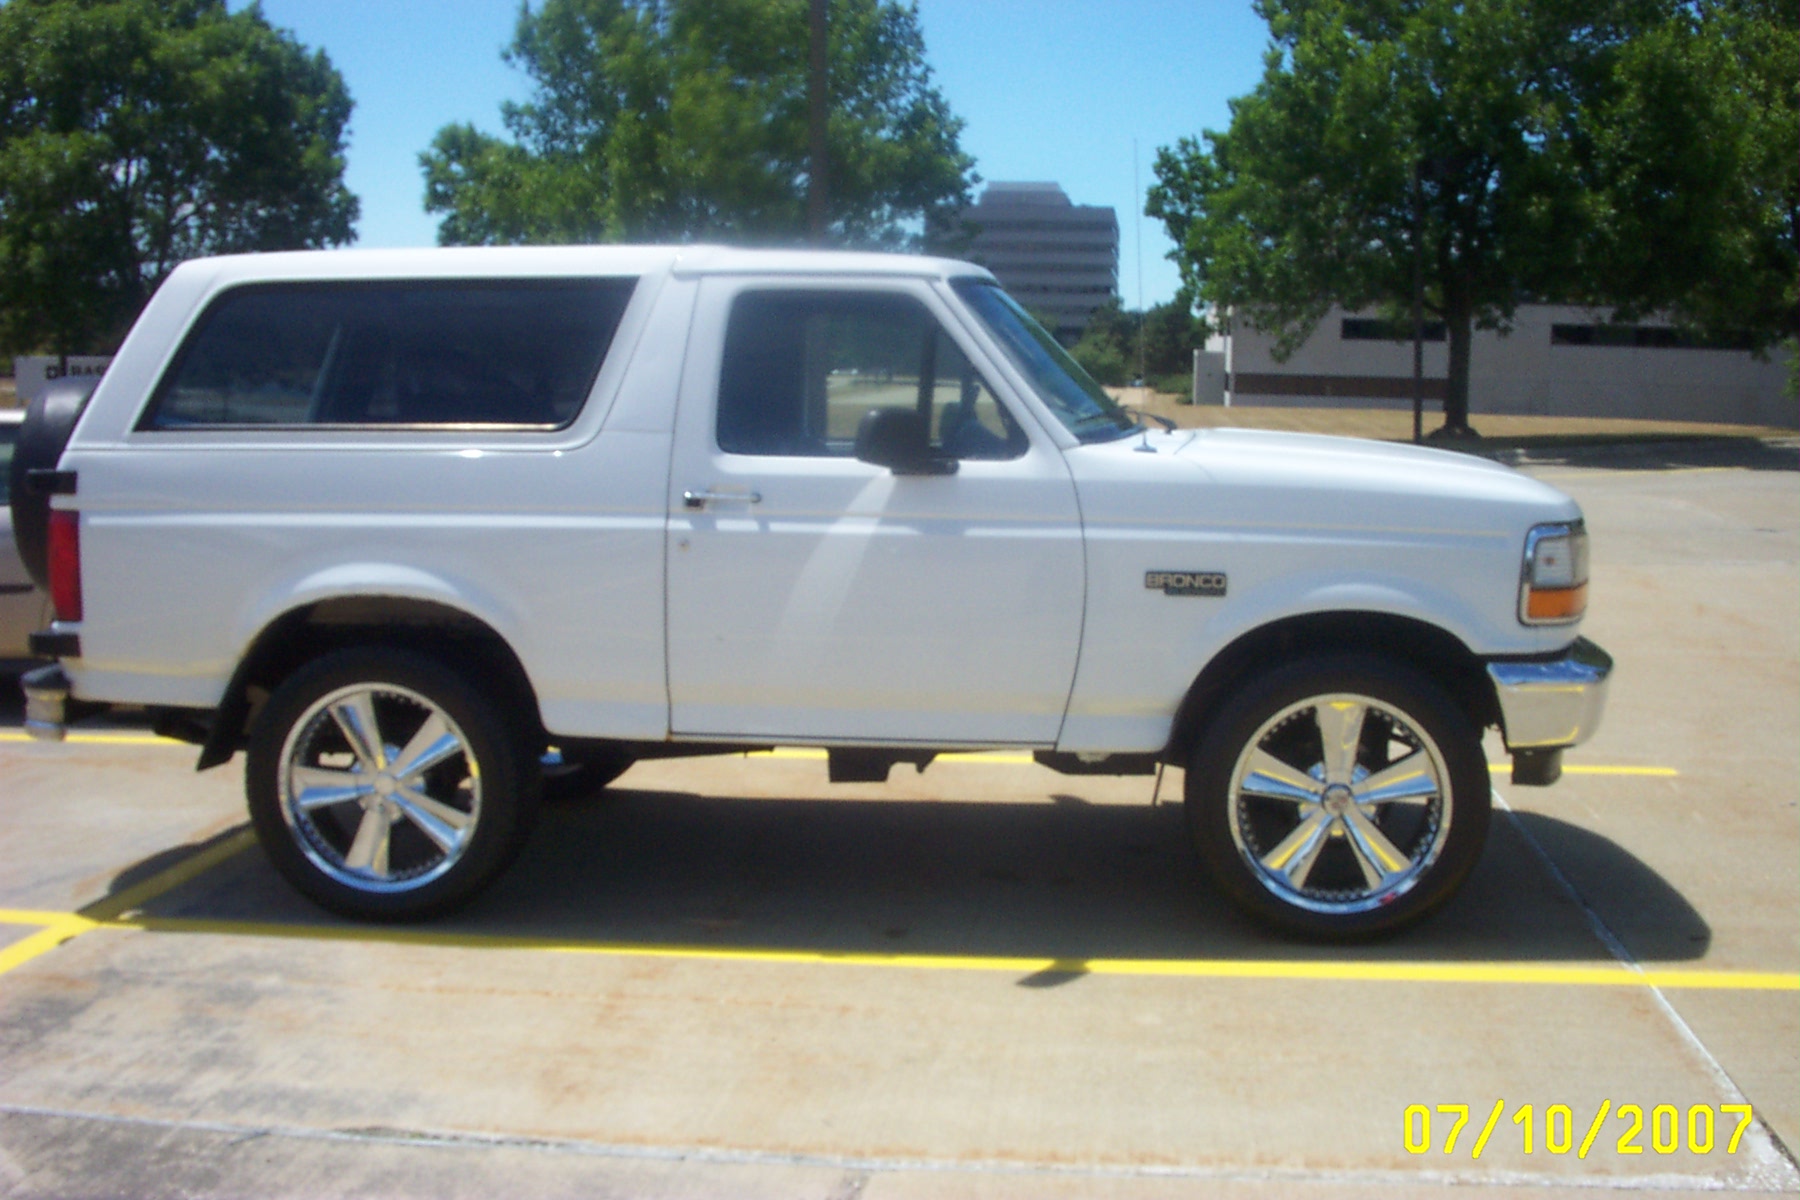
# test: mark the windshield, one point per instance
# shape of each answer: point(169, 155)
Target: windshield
point(1070, 392)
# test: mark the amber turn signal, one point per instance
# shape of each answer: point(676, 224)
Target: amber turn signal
point(1556, 604)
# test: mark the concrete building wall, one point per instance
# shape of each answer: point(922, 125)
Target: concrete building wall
point(1537, 368)
point(1056, 258)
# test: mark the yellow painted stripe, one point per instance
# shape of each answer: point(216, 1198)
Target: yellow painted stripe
point(32, 916)
point(1585, 769)
point(1323, 971)
point(60, 927)
point(996, 757)
point(52, 935)
point(95, 739)
point(1011, 758)
point(203, 860)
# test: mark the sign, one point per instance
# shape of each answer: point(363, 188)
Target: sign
point(32, 373)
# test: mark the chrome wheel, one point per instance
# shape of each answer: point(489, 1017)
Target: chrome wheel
point(1339, 803)
point(379, 787)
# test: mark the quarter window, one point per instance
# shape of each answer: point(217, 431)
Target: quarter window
point(802, 368)
point(415, 353)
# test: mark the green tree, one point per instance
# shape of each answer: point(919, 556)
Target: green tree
point(1700, 213)
point(1171, 335)
point(138, 133)
point(1109, 346)
point(1505, 150)
point(687, 119)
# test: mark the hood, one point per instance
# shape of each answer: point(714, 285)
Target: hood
point(1266, 478)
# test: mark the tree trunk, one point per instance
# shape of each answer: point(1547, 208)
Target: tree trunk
point(1459, 324)
point(817, 206)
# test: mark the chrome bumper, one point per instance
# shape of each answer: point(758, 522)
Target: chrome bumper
point(1554, 704)
point(46, 703)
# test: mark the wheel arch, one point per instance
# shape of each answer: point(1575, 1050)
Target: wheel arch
point(309, 630)
point(1427, 648)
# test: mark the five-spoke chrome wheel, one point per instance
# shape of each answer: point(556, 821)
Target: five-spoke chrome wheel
point(1339, 797)
point(384, 786)
point(1339, 803)
point(379, 787)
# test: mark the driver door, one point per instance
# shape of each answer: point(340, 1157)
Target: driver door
point(817, 598)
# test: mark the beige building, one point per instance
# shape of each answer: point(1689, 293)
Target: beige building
point(1556, 360)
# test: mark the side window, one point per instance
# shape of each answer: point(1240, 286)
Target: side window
point(453, 353)
point(801, 369)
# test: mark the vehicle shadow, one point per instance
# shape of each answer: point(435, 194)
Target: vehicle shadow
point(1066, 880)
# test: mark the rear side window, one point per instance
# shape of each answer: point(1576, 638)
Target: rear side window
point(418, 353)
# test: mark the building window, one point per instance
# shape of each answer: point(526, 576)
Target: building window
point(1370, 329)
point(1647, 337)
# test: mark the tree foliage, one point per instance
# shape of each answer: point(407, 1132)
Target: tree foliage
point(1170, 334)
point(1633, 154)
point(138, 133)
point(1699, 193)
point(686, 119)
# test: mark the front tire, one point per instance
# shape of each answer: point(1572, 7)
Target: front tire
point(384, 787)
point(1339, 798)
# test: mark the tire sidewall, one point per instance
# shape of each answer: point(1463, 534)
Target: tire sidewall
point(1209, 799)
point(507, 795)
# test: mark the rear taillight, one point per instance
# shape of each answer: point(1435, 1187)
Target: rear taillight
point(65, 563)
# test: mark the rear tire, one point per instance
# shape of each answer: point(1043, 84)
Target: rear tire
point(1339, 798)
point(384, 787)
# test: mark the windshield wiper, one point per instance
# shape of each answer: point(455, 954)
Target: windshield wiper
point(1168, 425)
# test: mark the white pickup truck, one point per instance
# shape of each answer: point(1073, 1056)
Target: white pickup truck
point(404, 525)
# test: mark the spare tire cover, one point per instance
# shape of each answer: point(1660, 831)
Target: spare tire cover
point(49, 420)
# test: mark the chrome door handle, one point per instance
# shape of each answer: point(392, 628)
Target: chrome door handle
point(702, 499)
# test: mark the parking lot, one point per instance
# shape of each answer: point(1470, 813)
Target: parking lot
point(725, 977)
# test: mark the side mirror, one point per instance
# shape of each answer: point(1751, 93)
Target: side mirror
point(896, 438)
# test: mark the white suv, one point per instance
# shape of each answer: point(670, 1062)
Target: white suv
point(397, 522)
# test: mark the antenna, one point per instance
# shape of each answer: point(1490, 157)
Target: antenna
point(1137, 204)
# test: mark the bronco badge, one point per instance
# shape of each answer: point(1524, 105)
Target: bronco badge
point(1186, 583)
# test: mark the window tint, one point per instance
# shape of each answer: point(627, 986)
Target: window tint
point(463, 352)
point(802, 368)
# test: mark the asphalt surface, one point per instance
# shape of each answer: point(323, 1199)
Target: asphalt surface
point(729, 978)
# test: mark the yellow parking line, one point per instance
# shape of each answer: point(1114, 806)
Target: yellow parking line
point(32, 916)
point(60, 927)
point(167, 880)
point(1325, 971)
point(57, 928)
point(1585, 769)
point(97, 739)
point(983, 756)
point(994, 757)
point(53, 934)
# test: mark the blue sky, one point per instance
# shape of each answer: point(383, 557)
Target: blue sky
point(1050, 90)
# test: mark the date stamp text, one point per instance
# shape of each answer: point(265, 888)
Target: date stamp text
point(1627, 1129)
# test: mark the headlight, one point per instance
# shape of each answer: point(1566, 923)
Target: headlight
point(1553, 585)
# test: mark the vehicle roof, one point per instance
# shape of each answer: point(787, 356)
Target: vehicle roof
point(502, 261)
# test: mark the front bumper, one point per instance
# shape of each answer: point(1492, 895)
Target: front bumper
point(1552, 704)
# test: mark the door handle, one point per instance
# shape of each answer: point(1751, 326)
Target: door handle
point(701, 499)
